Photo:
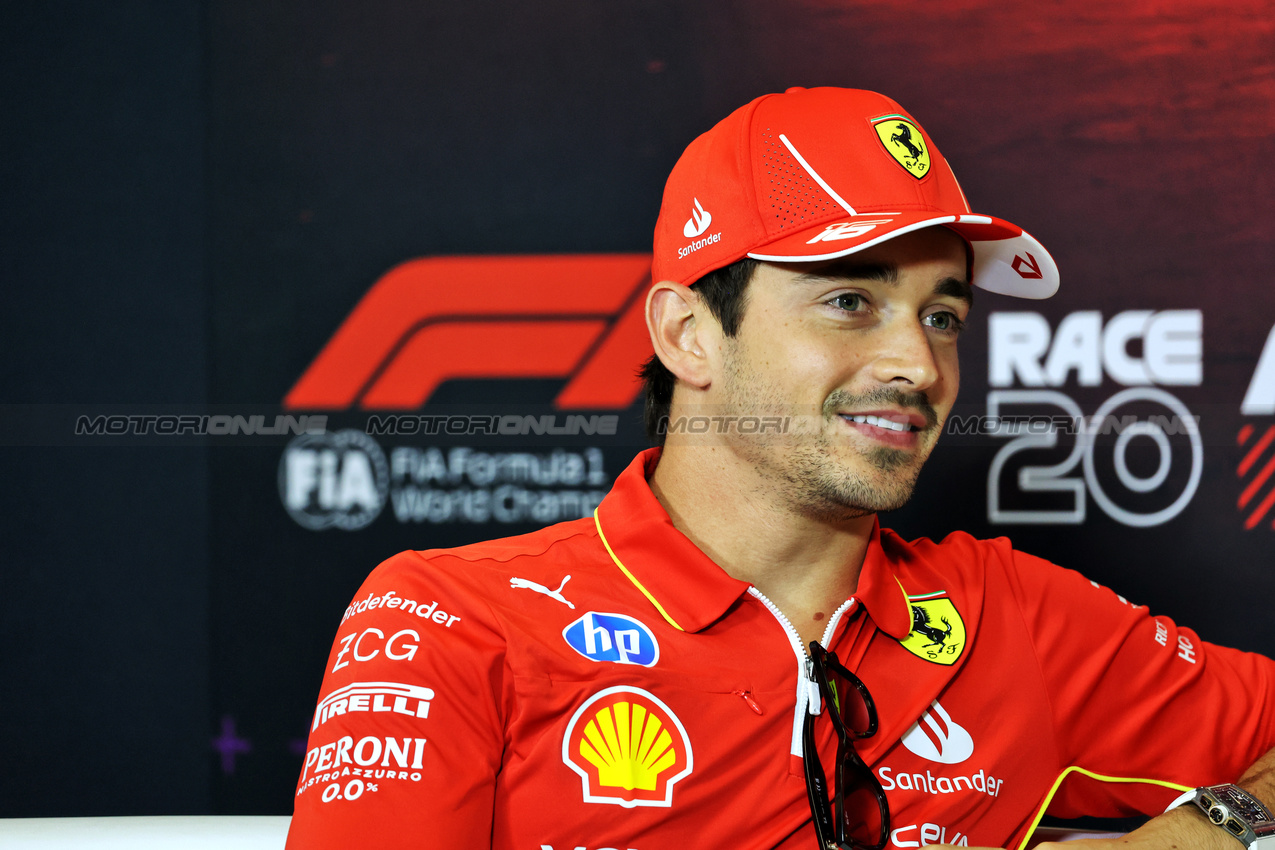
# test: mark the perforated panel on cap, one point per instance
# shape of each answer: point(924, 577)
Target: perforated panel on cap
point(793, 197)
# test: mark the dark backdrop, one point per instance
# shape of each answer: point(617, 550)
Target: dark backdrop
point(198, 195)
point(104, 552)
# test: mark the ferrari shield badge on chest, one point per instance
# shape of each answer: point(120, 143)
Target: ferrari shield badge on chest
point(903, 141)
point(938, 632)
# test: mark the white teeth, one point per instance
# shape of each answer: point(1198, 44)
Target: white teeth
point(888, 424)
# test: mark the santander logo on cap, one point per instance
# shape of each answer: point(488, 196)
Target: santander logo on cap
point(698, 222)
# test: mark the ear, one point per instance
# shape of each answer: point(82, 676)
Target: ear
point(679, 324)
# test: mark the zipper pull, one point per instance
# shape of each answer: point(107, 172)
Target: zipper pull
point(748, 698)
point(814, 702)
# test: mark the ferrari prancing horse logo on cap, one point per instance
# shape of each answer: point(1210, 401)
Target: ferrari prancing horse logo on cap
point(938, 632)
point(904, 142)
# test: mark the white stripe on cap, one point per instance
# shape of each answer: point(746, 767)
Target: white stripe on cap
point(802, 161)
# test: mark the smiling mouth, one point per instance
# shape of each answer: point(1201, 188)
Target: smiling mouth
point(880, 422)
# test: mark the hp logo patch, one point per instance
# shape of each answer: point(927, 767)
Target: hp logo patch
point(612, 637)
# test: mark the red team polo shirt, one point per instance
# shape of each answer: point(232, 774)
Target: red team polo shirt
point(602, 684)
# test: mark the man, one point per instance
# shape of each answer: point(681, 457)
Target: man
point(731, 652)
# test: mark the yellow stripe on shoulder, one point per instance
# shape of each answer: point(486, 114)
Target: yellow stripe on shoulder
point(658, 607)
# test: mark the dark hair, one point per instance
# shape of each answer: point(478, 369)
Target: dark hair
point(725, 292)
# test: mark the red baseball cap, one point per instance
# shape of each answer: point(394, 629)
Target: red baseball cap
point(814, 174)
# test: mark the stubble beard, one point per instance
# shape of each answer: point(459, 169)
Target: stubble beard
point(802, 463)
point(826, 490)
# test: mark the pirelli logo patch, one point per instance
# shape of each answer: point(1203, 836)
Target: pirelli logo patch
point(938, 632)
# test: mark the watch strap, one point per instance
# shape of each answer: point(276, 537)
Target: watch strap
point(1234, 810)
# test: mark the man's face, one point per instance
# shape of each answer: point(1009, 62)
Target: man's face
point(861, 352)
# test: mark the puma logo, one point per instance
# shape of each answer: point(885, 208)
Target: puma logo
point(540, 588)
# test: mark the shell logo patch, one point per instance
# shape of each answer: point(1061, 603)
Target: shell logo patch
point(628, 748)
point(904, 142)
point(938, 632)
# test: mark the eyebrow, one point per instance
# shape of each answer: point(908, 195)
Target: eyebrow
point(955, 287)
point(887, 273)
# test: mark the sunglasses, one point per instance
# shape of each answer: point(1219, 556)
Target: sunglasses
point(858, 817)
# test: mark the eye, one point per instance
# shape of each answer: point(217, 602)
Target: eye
point(945, 321)
point(851, 302)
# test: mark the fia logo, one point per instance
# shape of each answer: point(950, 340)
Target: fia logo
point(613, 637)
point(336, 480)
point(937, 737)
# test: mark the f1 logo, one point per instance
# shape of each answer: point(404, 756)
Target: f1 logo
point(579, 317)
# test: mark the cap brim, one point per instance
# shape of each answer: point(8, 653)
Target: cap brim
point(1007, 259)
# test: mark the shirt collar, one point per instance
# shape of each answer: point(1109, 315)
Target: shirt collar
point(688, 589)
point(880, 590)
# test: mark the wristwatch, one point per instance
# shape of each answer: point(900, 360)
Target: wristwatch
point(1235, 810)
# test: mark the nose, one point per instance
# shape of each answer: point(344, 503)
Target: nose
point(905, 358)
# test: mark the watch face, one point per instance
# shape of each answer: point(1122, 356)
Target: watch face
point(1244, 805)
